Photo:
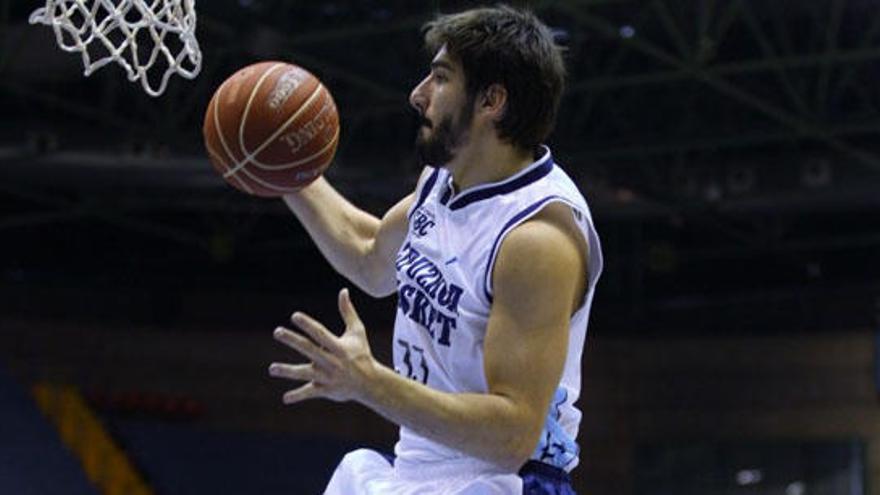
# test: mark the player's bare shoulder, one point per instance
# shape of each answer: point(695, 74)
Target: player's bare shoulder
point(562, 217)
point(550, 240)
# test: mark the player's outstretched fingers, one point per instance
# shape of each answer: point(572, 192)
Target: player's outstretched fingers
point(346, 309)
point(306, 392)
point(301, 344)
point(301, 372)
point(317, 331)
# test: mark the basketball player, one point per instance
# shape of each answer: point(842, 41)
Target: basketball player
point(494, 260)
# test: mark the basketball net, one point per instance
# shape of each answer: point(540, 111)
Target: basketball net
point(145, 37)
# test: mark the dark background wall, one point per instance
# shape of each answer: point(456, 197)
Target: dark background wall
point(729, 151)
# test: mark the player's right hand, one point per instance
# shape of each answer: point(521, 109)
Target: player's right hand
point(339, 367)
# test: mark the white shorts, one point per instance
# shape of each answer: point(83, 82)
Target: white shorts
point(366, 472)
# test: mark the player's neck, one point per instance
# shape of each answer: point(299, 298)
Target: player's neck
point(487, 161)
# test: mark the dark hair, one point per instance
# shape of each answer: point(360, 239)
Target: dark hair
point(513, 48)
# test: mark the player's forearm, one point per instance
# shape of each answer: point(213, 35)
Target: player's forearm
point(487, 426)
point(343, 233)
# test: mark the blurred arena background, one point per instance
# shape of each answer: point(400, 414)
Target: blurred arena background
point(731, 154)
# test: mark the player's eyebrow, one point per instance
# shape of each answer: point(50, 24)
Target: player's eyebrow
point(442, 64)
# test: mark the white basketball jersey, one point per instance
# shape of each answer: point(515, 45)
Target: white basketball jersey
point(444, 279)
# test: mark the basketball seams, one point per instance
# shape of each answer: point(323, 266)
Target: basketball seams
point(268, 185)
point(247, 108)
point(313, 129)
point(296, 164)
point(333, 141)
point(212, 152)
point(249, 156)
point(219, 130)
point(314, 171)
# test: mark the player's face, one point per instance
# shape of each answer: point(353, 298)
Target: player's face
point(444, 109)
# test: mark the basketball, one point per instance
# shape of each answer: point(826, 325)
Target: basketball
point(271, 128)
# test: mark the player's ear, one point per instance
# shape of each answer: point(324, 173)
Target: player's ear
point(493, 100)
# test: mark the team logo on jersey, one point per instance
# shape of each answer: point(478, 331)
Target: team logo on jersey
point(422, 221)
point(425, 296)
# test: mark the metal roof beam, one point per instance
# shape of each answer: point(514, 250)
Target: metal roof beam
point(830, 58)
point(770, 53)
point(722, 142)
point(769, 110)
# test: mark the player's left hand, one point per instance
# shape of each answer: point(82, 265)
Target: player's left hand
point(339, 367)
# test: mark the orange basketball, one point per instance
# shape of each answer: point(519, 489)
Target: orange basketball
point(271, 129)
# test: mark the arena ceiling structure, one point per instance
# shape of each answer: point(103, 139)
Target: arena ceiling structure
point(730, 150)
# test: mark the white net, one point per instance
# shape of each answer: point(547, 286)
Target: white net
point(150, 39)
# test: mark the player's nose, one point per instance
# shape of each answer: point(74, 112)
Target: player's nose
point(418, 98)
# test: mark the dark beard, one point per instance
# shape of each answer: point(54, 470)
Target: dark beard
point(439, 148)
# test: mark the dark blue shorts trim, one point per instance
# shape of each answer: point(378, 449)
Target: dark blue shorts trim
point(388, 456)
point(544, 479)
